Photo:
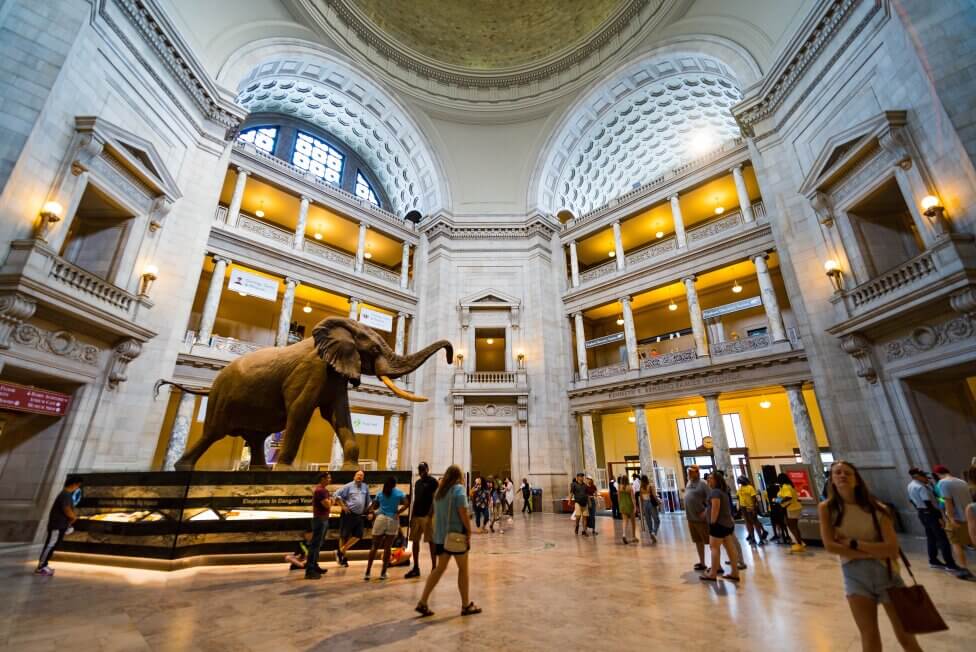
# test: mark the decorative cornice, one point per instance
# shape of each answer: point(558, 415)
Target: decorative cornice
point(536, 225)
point(926, 338)
point(61, 343)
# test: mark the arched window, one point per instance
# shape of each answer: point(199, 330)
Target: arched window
point(263, 138)
point(318, 157)
point(364, 190)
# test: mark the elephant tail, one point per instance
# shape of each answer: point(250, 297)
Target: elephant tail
point(188, 390)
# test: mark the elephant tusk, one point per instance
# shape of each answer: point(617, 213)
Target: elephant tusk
point(402, 393)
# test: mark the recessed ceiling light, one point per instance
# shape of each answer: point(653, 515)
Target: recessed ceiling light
point(659, 234)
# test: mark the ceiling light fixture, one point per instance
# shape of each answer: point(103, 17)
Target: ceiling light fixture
point(611, 253)
point(765, 404)
point(737, 288)
point(243, 294)
point(672, 306)
point(367, 255)
point(318, 236)
point(659, 234)
point(692, 413)
point(307, 309)
point(490, 341)
point(260, 212)
point(719, 210)
point(632, 419)
point(620, 321)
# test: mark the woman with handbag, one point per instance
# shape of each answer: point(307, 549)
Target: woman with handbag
point(859, 529)
point(650, 504)
point(452, 538)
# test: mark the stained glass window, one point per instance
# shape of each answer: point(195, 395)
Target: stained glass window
point(364, 190)
point(318, 157)
point(261, 137)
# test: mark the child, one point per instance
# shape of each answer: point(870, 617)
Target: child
point(300, 556)
point(59, 521)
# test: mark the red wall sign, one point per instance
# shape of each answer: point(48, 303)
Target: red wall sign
point(29, 399)
point(801, 482)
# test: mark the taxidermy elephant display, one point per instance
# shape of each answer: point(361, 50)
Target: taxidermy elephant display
point(277, 389)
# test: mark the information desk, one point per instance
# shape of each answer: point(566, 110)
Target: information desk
point(205, 515)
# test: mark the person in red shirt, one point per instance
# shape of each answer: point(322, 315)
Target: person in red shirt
point(321, 506)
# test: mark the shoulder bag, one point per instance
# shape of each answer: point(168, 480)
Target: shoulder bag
point(914, 607)
point(455, 542)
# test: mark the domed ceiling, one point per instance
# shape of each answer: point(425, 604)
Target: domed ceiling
point(490, 34)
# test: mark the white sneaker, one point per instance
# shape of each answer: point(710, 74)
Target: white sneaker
point(47, 570)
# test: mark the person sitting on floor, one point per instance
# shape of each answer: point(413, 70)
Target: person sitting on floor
point(298, 558)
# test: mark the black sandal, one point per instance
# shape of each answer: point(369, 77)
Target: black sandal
point(470, 610)
point(423, 610)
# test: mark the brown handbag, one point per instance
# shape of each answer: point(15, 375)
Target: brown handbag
point(914, 607)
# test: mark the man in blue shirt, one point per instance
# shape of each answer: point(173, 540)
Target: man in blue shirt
point(353, 498)
point(922, 497)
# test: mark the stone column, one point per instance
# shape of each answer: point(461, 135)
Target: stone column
point(212, 302)
point(720, 441)
point(405, 266)
point(580, 345)
point(393, 445)
point(745, 206)
point(338, 455)
point(679, 222)
point(180, 431)
point(768, 293)
point(574, 264)
point(401, 330)
point(361, 247)
point(509, 360)
point(643, 441)
point(589, 445)
point(630, 334)
point(805, 436)
point(353, 308)
point(302, 221)
point(697, 323)
point(284, 318)
point(234, 210)
point(618, 247)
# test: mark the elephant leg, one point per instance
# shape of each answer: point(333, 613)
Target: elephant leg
point(195, 451)
point(342, 424)
point(255, 441)
point(299, 413)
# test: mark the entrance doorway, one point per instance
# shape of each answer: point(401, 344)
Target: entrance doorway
point(491, 452)
point(944, 407)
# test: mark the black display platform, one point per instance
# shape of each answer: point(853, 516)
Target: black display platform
point(204, 514)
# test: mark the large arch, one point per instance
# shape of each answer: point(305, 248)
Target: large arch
point(647, 117)
point(305, 80)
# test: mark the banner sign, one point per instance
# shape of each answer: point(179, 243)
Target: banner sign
point(735, 306)
point(376, 319)
point(253, 285)
point(30, 399)
point(368, 424)
point(606, 339)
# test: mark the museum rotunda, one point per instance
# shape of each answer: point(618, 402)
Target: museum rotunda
point(649, 234)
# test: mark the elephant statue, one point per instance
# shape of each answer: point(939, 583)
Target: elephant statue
point(277, 389)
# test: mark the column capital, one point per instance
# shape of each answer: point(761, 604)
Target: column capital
point(691, 277)
point(638, 406)
point(737, 167)
point(406, 245)
point(242, 171)
point(577, 315)
point(797, 385)
point(355, 300)
point(306, 200)
point(764, 254)
point(624, 299)
point(292, 281)
point(404, 315)
point(363, 225)
point(673, 197)
point(711, 396)
point(221, 259)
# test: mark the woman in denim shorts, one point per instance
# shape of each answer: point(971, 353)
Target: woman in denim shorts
point(859, 529)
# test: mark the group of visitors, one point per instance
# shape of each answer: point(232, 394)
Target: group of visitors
point(493, 500)
point(948, 515)
point(629, 501)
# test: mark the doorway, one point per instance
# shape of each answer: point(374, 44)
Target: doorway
point(491, 452)
point(944, 407)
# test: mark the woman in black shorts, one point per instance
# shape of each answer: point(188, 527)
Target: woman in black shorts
point(720, 529)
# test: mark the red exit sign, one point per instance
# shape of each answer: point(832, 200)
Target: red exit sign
point(30, 399)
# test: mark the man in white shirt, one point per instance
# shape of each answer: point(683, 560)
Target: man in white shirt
point(921, 496)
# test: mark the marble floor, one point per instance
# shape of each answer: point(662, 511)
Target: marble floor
point(541, 587)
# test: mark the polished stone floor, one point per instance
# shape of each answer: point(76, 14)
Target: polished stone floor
point(541, 589)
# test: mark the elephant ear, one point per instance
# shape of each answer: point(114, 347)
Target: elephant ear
point(337, 346)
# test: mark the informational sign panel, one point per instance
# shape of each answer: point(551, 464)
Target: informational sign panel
point(376, 319)
point(30, 399)
point(606, 339)
point(801, 482)
point(253, 285)
point(745, 304)
point(367, 424)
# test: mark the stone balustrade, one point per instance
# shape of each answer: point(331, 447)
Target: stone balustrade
point(754, 343)
point(90, 285)
point(655, 250)
point(319, 250)
point(609, 371)
point(715, 227)
point(220, 344)
point(491, 378)
point(904, 275)
point(264, 230)
point(594, 273)
point(381, 273)
point(668, 359)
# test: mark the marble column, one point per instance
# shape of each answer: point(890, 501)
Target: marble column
point(643, 441)
point(509, 360)
point(284, 318)
point(768, 293)
point(589, 445)
point(361, 247)
point(745, 206)
point(338, 455)
point(405, 266)
point(679, 222)
point(694, 310)
point(234, 210)
point(212, 302)
point(302, 221)
point(574, 264)
point(630, 333)
point(720, 440)
point(401, 331)
point(580, 346)
point(618, 247)
point(393, 445)
point(180, 431)
point(805, 436)
point(353, 308)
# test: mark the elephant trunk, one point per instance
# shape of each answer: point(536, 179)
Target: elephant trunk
point(400, 365)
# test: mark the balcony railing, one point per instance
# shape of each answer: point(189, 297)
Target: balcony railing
point(265, 230)
point(716, 227)
point(668, 359)
point(218, 343)
point(608, 371)
point(651, 251)
point(91, 285)
point(340, 258)
point(320, 184)
point(753, 343)
point(491, 378)
point(381, 273)
point(902, 276)
point(606, 269)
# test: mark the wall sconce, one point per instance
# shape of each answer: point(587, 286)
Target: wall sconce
point(149, 274)
point(51, 213)
point(520, 356)
point(459, 359)
point(932, 208)
point(832, 268)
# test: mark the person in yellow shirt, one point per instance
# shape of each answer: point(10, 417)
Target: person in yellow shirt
point(790, 501)
point(750, 512)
